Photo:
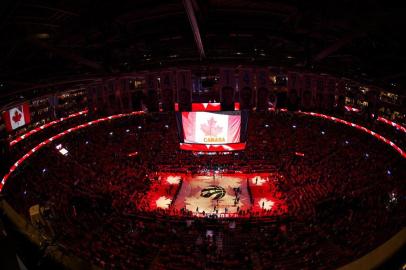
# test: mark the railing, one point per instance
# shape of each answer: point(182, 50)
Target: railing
point(380, 255)
point(33, 235)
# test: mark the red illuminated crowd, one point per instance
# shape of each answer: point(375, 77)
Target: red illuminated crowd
point(343, 191)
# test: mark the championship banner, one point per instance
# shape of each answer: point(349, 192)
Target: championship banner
point(317, 90)
point(227, 88)
point(262, 78)
point(92, 99)
point(307, 93)
point(293, 80)
point(184, 89)
point(53, 103)
point(331, 85)
point(245, 87)
point(119, 87)
point(17, 117)
point(151, 82)
point(294, 87)
point(340, 92)
point(151, 86)
point(245, 78)
point(102, 97)
point(110, 92)
point(227, 78)
point(263, 85)
point(167, 81)
point(330, 92)
point(125, 94)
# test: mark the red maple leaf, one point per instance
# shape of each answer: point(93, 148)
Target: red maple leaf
point(210, 129)
point(17, 116)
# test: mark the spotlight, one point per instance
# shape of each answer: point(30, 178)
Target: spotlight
point(323, 132)
point(111, 133)
point(127, 130)
point(347, 142)
point(166, 126)
point(388, 172)
point(267, 126)
point(294, 126)
point(366, 155)
point(139, 127)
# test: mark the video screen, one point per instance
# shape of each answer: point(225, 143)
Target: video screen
point(210, 130)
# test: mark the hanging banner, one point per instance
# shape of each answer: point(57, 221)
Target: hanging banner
point(330, 92)
point(167, 82)
point(151, 88)
point(126, 94)
point(294, 80)
point(317, 85)
point(227, 88)
point(245, 78)
point(263, 85)
point(17, 117)
point(340, 92)
point(227, 78)
point(245, 87)
point(119, 86)
point(110, 92)
point(151, 82)
point(184, 89)
point(307, 93)
point(340, 89)
point(262, 78)
point(294, 88)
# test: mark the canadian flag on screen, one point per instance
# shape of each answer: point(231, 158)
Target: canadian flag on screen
point(17, 117)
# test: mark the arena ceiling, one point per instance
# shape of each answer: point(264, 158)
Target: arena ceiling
point(49, 40)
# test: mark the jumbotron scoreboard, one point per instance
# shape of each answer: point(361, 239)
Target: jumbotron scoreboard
point(207, 128)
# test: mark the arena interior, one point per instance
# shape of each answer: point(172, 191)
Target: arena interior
point(191, 134)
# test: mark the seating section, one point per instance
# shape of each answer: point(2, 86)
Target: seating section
point(345, 196)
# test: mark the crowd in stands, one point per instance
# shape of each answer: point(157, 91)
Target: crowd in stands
point(344, 195)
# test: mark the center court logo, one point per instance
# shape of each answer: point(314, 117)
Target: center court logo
point(216, 191)
point(211, 131)
point(210, 128)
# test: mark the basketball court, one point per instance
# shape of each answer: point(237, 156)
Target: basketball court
point(219, 194)
point(223, 195)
